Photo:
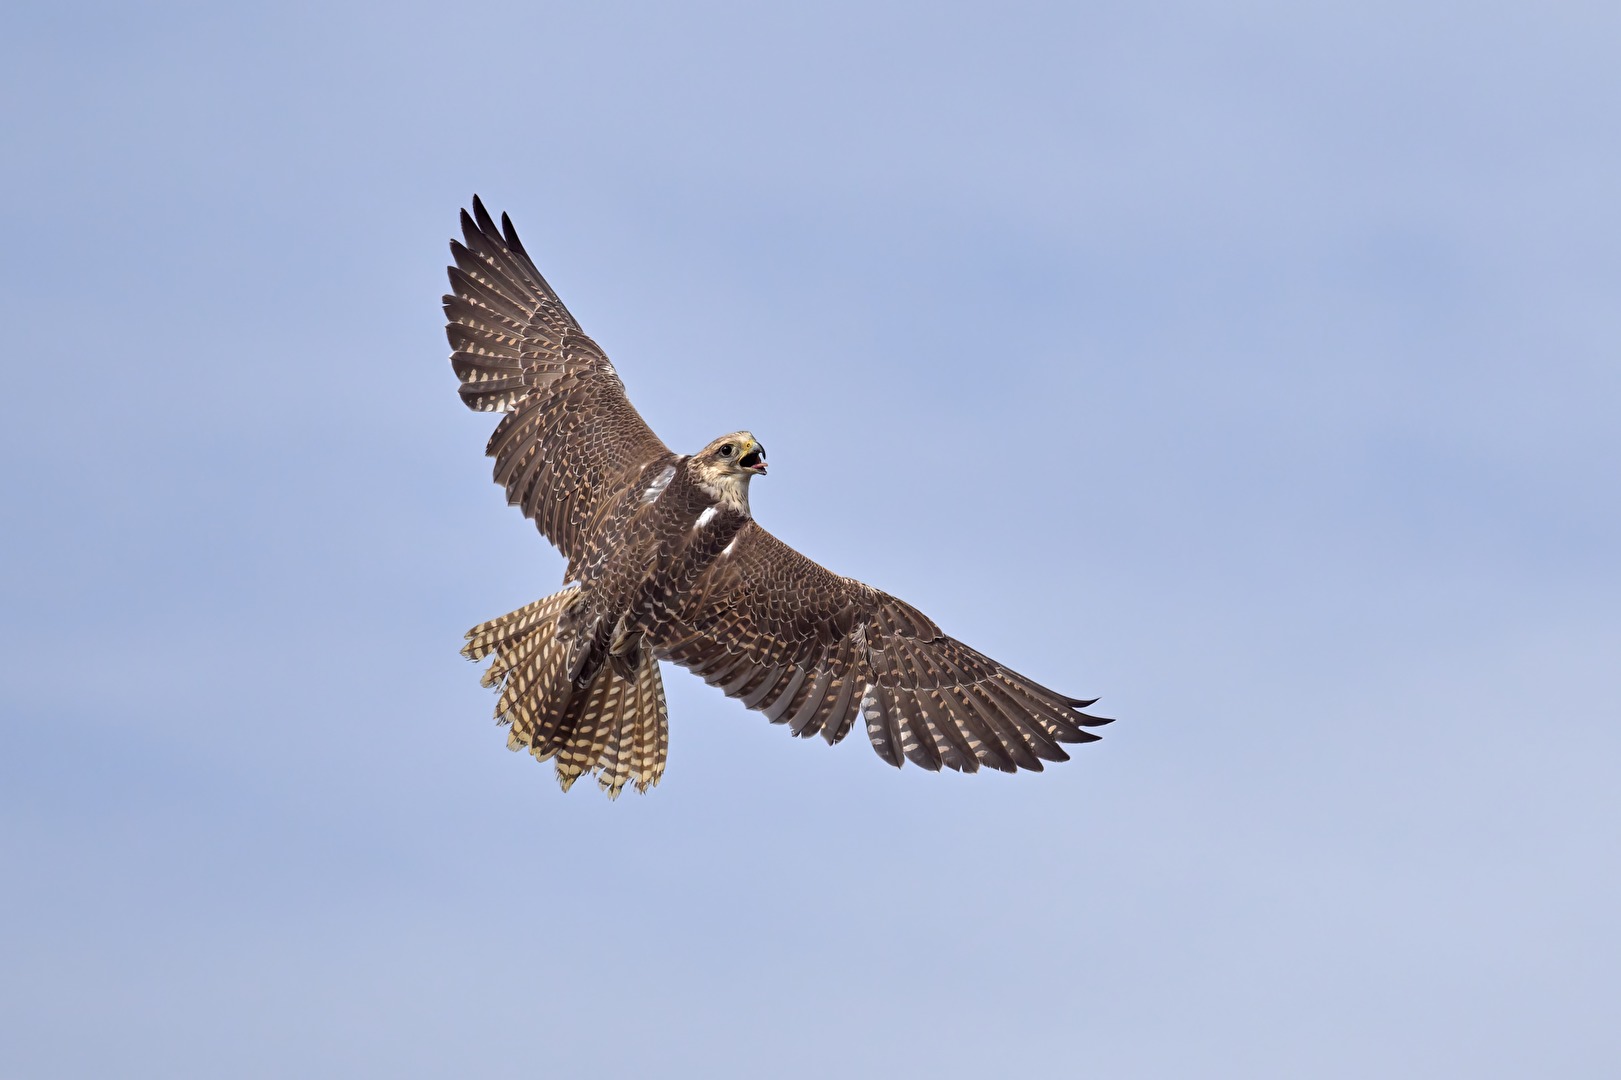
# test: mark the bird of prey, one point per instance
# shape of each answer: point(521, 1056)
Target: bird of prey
point(665, 562)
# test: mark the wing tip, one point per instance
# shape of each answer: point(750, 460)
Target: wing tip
point(509, 233)
point(486, 224)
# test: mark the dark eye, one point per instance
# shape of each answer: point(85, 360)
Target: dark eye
point(728, 450)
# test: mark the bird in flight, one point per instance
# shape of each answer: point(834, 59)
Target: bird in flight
point(665, 562)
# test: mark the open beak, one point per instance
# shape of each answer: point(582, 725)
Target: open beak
point(754, 460)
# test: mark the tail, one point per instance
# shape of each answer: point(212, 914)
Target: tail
point(612, 726)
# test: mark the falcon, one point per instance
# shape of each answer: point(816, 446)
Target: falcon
point(665, 563)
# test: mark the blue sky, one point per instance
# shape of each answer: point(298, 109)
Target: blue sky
point(1255, 369)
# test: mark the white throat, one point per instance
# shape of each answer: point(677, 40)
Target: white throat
point(730, 491)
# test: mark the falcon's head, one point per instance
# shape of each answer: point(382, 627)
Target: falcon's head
point(727, 465)
point(737, 453)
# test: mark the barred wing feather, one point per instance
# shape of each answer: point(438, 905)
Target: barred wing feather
point(570, 439)
point(813, 650)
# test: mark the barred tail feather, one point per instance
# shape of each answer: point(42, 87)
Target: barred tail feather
point(594, 714)
point(619, 730)
point(613, 727)
point(652, 734)
point(618, 757)
point(485, 638)
point(529, 671)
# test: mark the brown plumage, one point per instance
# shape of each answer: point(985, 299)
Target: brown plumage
point(666, 563)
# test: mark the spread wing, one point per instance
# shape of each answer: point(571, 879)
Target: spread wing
point(570, 438)
point(811, 649)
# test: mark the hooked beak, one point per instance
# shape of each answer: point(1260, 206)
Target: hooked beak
point(754, 460)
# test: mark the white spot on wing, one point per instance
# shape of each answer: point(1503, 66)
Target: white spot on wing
point(727, 550)
point(660, 482)
point(704, 518)
point(869, 703)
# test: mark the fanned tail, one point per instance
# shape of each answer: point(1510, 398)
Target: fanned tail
point(614, 727)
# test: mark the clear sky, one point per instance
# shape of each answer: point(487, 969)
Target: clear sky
point(1258, 370)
